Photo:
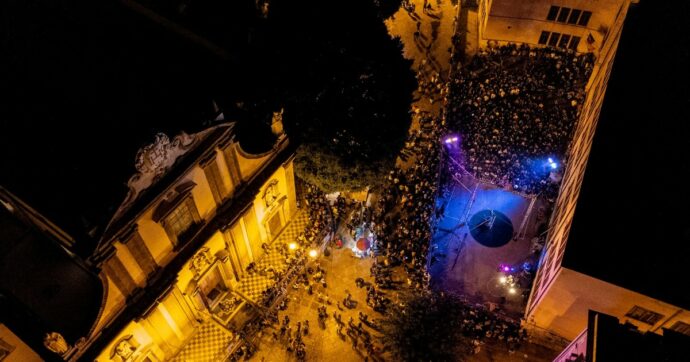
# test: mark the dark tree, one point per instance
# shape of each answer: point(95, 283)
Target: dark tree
point(343, 83)
point(428, 328)
point(387, 8)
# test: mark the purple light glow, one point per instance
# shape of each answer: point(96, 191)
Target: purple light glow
point(450, 139)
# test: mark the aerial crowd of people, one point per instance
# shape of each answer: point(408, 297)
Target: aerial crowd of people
point(403, 216)
point(514, 108)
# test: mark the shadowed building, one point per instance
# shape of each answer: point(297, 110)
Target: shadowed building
point(575, 274)
point(44, 288)
point(606, 339)
point(197, 214)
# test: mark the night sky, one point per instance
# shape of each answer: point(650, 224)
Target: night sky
point(85, 85)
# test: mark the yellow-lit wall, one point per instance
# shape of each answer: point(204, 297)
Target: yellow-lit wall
point(215, 244)
point(165, 328)
point(225, 172)
point(155, 238)
point(114, 301)
point(565, 307)
point(249, 163)
point(21, 352)
point(130, 264)
point(575, 165)
point(523, 21)
point(203, 198)
point(161, 332)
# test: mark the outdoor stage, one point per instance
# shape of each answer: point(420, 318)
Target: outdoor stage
point(482, 227)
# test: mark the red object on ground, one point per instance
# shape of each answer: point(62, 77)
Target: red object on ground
point(363, 244)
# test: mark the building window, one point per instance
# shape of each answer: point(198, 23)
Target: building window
point(563, 43)
point(553, 41)
point(553, 12)
point(544, 37)
point(181, 219)
point(574, 42)
point(681, 327)
point(563, 15)
point(574, 15)
point(644, 315)
point(584, 18)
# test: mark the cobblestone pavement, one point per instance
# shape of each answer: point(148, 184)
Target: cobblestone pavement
point(206, 345)
point(323, 344)
point(252, 285)
point(431, 49)
point(210, 341)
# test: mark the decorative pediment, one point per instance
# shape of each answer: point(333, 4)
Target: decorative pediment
point(154, 160)
point(271, 193)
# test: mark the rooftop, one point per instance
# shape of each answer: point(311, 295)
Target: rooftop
point(608, 340)
point(48, 290)
point(631, 225)
point(83, 97)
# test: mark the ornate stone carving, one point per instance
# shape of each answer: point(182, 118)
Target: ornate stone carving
point(154, 160)
point(124, 349)
point(200, 262)
point(277, 123)
point(157, 157)
point(271, 193)
point(55, 343)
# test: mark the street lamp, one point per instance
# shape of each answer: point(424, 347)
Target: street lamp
point(292, 246)
point(313, 253)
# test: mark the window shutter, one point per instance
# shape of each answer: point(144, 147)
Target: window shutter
point(215, 181)
point(141, 253)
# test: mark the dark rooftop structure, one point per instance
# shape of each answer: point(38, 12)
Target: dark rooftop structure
point(85, 86)
point(631, 226)
point(608, 340)
point(44, 288)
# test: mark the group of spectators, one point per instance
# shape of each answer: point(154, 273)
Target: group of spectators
point(480, 325)
point(403, 217)
point(320, 215)
point(514, 107)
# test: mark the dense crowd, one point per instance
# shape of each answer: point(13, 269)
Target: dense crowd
point(320, 215)
point(403, 218)
point(514, 107)
point(480, 324)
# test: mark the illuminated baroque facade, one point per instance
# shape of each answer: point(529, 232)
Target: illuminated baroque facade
point(561, 297)
point(196, 215)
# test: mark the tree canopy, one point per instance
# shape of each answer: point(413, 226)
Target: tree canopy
point(343, 83)
point(427, 328)
point(341, 79)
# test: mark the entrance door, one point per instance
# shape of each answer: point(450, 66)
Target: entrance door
point(275, 224)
